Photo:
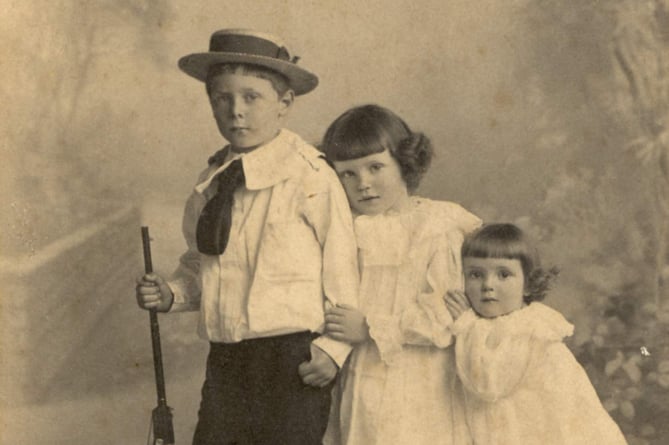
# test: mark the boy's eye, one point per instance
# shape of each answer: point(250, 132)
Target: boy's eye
point(219, 100)
point(346, 174)
point(250, 97)
point(474, 274)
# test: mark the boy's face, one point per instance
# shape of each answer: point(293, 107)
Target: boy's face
point(494, 286)
point(373, 183)
point(247, 109)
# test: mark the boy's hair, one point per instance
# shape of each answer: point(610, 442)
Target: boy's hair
point(509, 241)
point(278, 80)
point(370, 129)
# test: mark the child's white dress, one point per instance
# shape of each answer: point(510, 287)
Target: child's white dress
point(522, 385)
point(396, 388)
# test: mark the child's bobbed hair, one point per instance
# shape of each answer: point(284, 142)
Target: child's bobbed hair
point(370, 129)
point(506, 240)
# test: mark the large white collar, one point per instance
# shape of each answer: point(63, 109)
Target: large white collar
point(279, 159)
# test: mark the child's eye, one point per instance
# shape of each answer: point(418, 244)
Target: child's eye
point(505, 273)
point(250, 97)
point(474, 274)
point(346, 174)
point(376, 167)
point(220, 100)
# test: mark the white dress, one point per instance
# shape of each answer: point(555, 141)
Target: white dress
point(396, 388)
point(522, 385)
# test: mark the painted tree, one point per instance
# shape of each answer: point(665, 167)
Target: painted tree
point(52, 81)
point(600, 70)
point(641, 48)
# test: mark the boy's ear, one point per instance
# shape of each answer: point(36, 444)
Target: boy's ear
point(286, 102)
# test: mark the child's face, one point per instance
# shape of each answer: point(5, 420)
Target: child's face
point(373, 183)
point(247, 109)
point(494, 286)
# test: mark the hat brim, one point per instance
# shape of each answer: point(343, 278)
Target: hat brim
point(197, 65)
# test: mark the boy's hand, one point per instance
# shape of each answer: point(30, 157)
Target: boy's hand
point(320, 371)
point(346, 323)
point(456, 302)
point(153, 293)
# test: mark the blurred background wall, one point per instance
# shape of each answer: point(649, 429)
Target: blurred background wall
point(552, 114)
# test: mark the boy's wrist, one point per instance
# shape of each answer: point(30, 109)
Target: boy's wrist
point(338, 351)
point(170, 302)
point(167, 298)
point(364, 331)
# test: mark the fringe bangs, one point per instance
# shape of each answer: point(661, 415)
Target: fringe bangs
point(353, 139)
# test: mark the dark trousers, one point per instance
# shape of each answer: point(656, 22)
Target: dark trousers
point(253, 394)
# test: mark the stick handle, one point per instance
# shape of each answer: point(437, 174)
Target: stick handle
point(162, 416)
point(146, 244)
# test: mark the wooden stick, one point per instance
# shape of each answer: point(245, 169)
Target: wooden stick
point(161, 417)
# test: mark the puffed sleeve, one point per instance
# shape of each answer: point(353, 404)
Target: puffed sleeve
point(329, 214)
point(428, 322)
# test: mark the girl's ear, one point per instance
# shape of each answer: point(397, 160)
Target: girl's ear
point(286, 102)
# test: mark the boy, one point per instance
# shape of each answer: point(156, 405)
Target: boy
point(270, 243)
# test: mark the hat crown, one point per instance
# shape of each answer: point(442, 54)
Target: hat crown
point(248, 42)
point(253, 48)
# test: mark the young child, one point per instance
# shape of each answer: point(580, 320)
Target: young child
point(270, 242)
point(521, 383)
point(393, 389)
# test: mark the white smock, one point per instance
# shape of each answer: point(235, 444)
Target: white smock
point(397, 387)
point(522, 385)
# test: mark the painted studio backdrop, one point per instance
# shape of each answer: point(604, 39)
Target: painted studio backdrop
point(552, 114)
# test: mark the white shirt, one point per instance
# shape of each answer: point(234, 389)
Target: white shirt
point(291, 249)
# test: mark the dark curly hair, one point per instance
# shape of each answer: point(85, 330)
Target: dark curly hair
point(370, 129)
point(506, 240)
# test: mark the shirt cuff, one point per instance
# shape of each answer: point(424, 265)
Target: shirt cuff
point(338, 351)
point(180, 302)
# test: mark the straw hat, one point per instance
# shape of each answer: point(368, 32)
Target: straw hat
point(252, 47)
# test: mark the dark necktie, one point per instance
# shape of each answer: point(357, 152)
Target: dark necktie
point(213, 227)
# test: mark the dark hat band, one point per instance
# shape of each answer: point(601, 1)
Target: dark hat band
point(245, 44)
point(251, 48)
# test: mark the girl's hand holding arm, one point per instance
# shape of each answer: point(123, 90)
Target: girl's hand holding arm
point(346, 323)
point(456, 302)
point(428, 321)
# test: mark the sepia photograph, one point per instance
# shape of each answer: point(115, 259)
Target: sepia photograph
point(269, 222)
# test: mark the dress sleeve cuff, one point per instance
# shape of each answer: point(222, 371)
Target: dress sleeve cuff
point(386, 334)
point(337, 350)
point(439, 318)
